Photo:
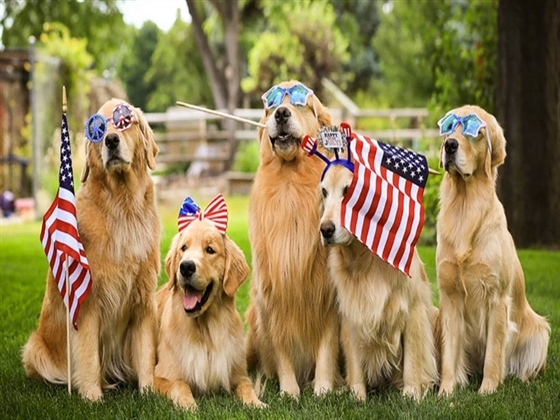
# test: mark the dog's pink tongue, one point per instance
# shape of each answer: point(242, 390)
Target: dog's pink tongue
point(191, 299)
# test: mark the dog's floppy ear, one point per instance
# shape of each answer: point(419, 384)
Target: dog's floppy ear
point(441, 154)
point(85, 170)
point(171, 261)
point(150, 145)
point(236, 270)
point(497, 140)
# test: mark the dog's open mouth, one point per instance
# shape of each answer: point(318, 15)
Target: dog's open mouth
point(284, 139)
point(194, 300)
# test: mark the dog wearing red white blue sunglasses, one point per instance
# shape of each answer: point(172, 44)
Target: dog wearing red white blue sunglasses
point(201, 342)
point(487, 325)
point(293, 326)
point(119, 226)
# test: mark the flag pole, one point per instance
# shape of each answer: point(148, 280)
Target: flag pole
point(68, 326)
point(220, 114)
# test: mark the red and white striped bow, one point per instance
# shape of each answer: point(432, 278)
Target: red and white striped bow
point(216, 212)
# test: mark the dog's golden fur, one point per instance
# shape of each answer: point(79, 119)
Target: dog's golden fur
point(120, 229)
point(292, 317)
point(201, 343)
point(487, 325)
point(387, 318)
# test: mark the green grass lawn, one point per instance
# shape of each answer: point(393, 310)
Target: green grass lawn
point(22, 281)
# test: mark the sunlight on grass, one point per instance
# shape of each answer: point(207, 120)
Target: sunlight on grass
point(23, 269)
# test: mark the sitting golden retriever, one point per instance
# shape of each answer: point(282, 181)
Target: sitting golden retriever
point(120, 229)
point(292, 317)
point(387, 318)
point(201, 343)
point(487, 324)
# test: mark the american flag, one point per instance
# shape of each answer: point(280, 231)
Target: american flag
point(383, 206)
point(60, 237)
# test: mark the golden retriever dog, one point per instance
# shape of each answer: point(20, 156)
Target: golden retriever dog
point(293, 325)
point(487, 325)
point(387, 318)
point(120, 229)
point(201, 341)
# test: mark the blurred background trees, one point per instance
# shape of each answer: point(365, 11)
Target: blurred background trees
point(381, 53)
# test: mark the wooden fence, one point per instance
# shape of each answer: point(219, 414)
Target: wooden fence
point(188, 136)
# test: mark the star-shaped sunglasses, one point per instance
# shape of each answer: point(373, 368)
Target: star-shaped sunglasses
point(297, 93)
point(471, 124)
point(96, 125)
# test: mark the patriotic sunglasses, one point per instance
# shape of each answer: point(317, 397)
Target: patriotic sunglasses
point(297, 93)
point(96, 125)
point(471, 125)
point(309, 144)
point(216, 212)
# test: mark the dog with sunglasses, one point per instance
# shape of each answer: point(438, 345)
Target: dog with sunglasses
point(293, 325)
point(119, 226)
point(487, 325)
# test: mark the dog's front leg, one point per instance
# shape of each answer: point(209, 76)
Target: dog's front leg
point(143, 345)
point(86, 361)
point(494, 359)
point(451, 316)
point(354, 367)
point(286, 374)
point(327, 357)
point(419, 367)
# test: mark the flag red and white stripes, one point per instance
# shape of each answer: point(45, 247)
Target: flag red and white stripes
point(383, 206)
point(60, 237)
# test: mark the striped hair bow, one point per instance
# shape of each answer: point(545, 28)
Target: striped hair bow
point(216, 212)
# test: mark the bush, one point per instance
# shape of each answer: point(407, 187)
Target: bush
point(247, 157)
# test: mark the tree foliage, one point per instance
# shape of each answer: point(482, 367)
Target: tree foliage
point(443, 55)
point(94, 20)
point(358, 22)
point(303, 41)
point(135, 64)
point(176, 70)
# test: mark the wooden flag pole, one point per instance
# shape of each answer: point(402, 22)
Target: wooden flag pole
point(220, 114)
point(244, 120)
point(68, 323)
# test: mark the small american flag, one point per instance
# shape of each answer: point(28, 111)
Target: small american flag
point(383, 206)
point(60, 237)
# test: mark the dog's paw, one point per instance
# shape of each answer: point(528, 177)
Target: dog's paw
point(147, 389)
point(358, 392)
point(256, 404)
point(445, 390)
point(93, 394)
point(186, 403)
point(488, 387)
point(322, 388)
point(412, 392)
point(291, 392)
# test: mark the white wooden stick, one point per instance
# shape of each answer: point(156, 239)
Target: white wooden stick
point(68, 326)
point(220, 114)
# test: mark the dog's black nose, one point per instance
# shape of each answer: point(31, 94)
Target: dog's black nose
point(451, 145)
point(112, 140)
point(187, 268)
point(282, 114)
point(327, 229)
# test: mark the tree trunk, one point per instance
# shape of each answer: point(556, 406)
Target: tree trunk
point(528, 108)
point(225, 84)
